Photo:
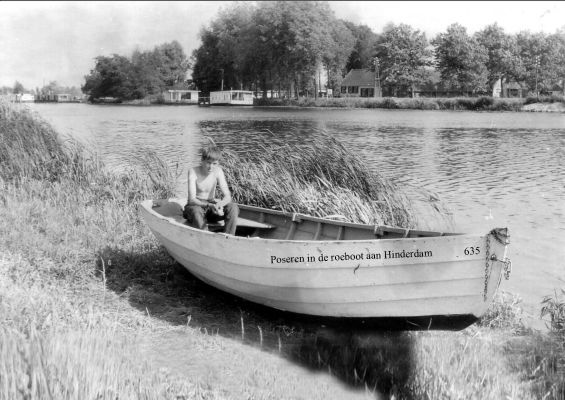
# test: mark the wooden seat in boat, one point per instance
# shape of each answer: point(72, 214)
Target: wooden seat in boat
point(241, 222)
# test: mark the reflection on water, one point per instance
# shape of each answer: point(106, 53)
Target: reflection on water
point(492, 169)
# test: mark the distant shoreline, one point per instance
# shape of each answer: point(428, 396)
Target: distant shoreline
point(549, 104)
point(546, 104)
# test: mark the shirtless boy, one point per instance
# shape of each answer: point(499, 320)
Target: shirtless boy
point(202, 206)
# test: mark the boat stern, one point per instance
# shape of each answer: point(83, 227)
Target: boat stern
point(497, 264)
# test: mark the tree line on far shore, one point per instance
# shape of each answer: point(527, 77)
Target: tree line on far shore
point(50, 89)
point(284, 46)
point(143, 74)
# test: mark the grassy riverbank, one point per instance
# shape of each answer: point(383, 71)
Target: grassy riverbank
point(92, 307)
point(485, 103)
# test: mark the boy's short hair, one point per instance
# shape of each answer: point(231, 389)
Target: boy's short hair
point(211, 153)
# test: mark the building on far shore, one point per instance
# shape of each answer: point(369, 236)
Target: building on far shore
point(360, 83)
point(180, 94)
point(232, 97)
point(25, 98)
point(514, 89)
point(63, 98)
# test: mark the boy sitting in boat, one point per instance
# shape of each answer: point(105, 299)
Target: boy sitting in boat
point(202, 206)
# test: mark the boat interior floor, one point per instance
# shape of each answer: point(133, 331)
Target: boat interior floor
point(245, 226)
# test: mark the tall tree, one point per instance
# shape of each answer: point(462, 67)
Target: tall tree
point(503, 58)
point(112, 77)
point(294, 35)
point(227, 50)
point(557, 45)
point(337, 54)
point(206, 62)
point(280, 44)
point(18, 88)
point(403, 55)
point(51, 88)
point(148, 77)
point(236, 44)
point(461, 60)
point(144, 74)
point(536, 56)
point(363, 50)
point(171, 62)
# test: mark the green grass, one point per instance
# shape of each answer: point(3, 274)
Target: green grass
point(92, 307)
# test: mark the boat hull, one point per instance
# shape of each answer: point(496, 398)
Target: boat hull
point(372, 278)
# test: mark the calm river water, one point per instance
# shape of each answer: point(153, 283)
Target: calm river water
point(491, 169)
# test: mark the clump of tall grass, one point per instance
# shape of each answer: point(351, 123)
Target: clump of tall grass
point(554, 308)
point(504, 313)
point(28, 146)
point(31, 149)
point(321, 177)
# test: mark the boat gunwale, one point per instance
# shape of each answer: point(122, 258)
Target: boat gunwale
point(148, 205)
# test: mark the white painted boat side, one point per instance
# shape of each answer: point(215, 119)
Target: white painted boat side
point(405, 299)
point(448, 282)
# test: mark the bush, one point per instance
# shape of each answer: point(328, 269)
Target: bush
point(507, 105)
point(465, 103)
point(426, 104)
point(504, 312)
point(484, 103)
point(554, 308)
point(447, 103)
point(390, 102)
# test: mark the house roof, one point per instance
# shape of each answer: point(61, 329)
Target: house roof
point(359, 77)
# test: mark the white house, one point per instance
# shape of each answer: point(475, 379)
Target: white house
point(180, 94)
point(232, 97)
point(360, 83)
point(64, 98)
point(26, 98)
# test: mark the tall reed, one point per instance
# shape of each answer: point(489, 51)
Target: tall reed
point(320, 177)
point(28, 146)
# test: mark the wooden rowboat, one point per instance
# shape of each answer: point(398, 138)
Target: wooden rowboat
point(322, 267)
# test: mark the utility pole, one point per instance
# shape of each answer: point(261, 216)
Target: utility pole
point(537, 69)
point(221, 69)
point(377, 89)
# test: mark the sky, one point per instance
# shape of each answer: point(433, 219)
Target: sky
point(58, 41)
